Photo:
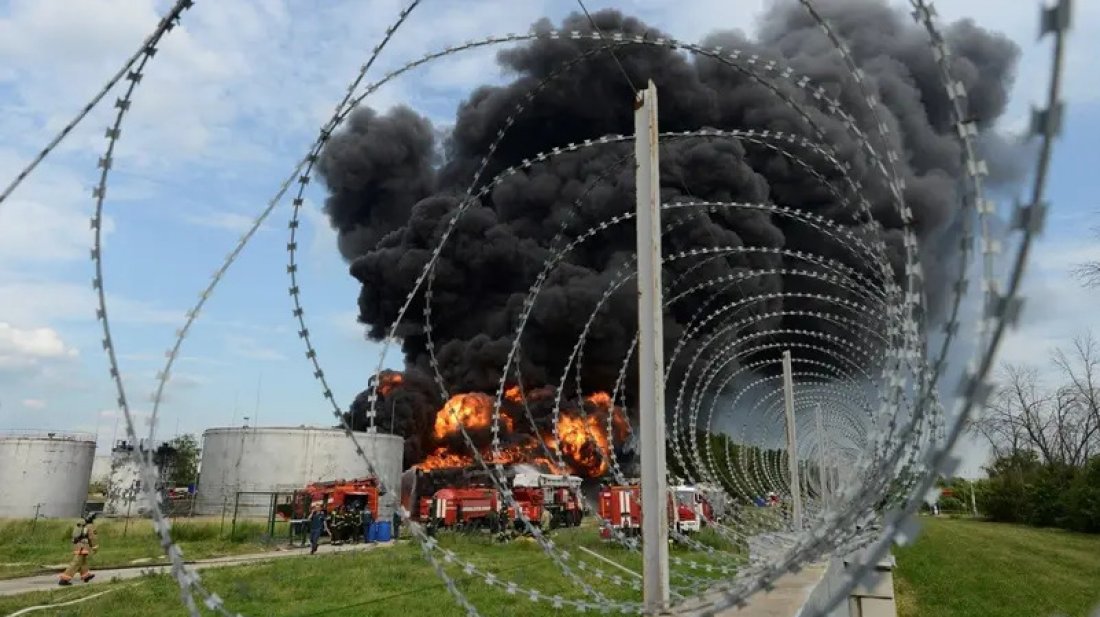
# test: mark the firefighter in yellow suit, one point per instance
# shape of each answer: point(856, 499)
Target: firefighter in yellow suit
point(84, 544)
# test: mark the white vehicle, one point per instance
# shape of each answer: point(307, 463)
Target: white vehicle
point(545, 480)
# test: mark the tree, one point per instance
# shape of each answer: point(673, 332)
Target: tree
point(1061, 424)
point(1088, 273)
point(185, 463)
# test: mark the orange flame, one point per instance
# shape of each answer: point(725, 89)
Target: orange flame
point(584, 441)
point(473, 410)
point(513, 394)
point(599, 399)
point(388, 380)
point(443, 458)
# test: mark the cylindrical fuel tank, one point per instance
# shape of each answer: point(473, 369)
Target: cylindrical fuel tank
point(243, 467)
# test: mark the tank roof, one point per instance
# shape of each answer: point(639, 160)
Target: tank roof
point(47, 435)
point(291, 429)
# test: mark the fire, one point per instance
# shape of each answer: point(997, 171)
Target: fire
point(388, 380)
point(443, 458)
point(513, 394)
point(599, 399)
point(584, 441)
point(472, 410)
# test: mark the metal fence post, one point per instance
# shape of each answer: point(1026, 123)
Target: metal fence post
point(236, 506)
point(651, 407)
point(792, 443)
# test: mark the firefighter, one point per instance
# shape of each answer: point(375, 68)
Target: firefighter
point(346, 524)
point(547, 520)
point(84, 544)
point(334, 528)
point(396, 525)
point(504, 534)
point(318, 522)
point(366, 519)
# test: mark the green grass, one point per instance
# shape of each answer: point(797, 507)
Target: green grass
point(391, 581)
point(24, 551)
point(965, 568)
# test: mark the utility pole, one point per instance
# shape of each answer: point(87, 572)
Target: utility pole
point(792, 443)
point(822, 472)
point(651, 361)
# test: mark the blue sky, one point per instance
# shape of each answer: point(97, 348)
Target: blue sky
point(231, 101)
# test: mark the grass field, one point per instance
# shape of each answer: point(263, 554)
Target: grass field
point(386, 582)
point(957, 568)
point(27, 549)
point(963, 568)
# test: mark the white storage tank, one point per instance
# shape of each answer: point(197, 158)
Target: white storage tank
point(101, 468)
point(45, 473)
point(265, 460)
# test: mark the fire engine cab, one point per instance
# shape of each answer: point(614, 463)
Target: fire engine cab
point(358, 493)
point(621, 506)
point(558, 494)
point(693, 511)
point(464, 507)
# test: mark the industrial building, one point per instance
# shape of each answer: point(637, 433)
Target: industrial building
point(264, 460)
point(45, 474)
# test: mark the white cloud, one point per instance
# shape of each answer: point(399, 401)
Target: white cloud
point(47, 219)
point(139, 417)
point(34, 359)
point(34, 403)
point(159, 358)
point(250, 348)
point(1057, 307)
point(346, 322)
point(22, 349)
point(29, 303)
point(229, 221)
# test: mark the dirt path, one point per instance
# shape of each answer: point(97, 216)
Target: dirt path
point(46, 582)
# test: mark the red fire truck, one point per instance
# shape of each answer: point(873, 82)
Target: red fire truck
point(466, 507)
point(331, 496)
point(693, 510)
point(358, 493)
point(558, 494)
point(429, 496)
point(419, 488)
point(621, 506)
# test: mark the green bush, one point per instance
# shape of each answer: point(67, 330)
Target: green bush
point(1020, 489)
point(951, 504)
point(1083, 499)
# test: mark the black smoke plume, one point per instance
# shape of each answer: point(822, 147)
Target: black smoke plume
point(392, 192)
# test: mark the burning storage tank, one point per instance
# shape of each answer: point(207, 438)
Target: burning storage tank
point(45, 474)
point(124, 495)
point(243, 467)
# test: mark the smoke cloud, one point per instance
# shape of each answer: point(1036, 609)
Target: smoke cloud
point(391, 193)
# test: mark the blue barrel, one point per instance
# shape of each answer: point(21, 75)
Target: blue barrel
point(372, 533)
point(382, 531)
